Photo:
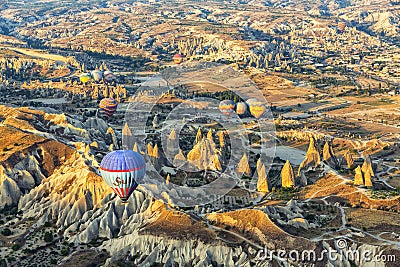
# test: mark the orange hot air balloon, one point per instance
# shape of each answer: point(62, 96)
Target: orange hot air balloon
point(178, 58)
point(227, 107)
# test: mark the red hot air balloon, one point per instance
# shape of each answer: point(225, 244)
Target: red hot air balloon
point(178, 58)
point(122, 170)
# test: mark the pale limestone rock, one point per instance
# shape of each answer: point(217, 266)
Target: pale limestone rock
point(179, 159)
point(243, 166)
point(210, 135)
point(262, 182)
point(287, 175)
point(221, 137)
point(155, 153)
point(349, 159)
point(149, 150)
point(199, 137)
point(329, 156)
point(215, 163)
point(367, 166)
point(312, 158)
point(202, 155)
point(172, 144)
point(358, 178)
point(9, 192)
point(367, 179)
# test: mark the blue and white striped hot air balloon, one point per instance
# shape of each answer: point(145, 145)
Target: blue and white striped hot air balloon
point(122, 170)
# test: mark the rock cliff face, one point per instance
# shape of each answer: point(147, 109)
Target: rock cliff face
point(329, 157)
point(312, 158)
point(287, 175)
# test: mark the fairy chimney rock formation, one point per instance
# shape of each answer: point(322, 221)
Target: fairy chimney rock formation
point(172, 144)
point(358, 178)
point(367, 166)
point(312, 158)
point(349, 159)
point(262, 182)
point(210, 135)
point(367, 179)
point(328, 155)
point(149, 150)
point(243, 166)
point(287, 175)
point(202, 155)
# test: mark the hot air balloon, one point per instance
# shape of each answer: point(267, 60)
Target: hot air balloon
point(97, 75)
point(241, 108)
point(108, 76)
point(341, 26)
point(85, 77)
point(256, 107)
point(108, 106)
point(122, 170)
point(226, 107)
point(178, 58)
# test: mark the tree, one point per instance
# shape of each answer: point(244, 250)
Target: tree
point(48, 237)
point(6, 232)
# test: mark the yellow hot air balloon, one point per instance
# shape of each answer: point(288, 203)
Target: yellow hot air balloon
point(256, 107)
point(85, 77)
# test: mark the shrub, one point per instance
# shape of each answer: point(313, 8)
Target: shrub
point(6, 232)
point(64, 252)
point(15, 247)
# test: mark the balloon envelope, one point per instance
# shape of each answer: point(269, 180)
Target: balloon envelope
point(241, 108)
point(108, 106)
point(85, 77)
point(108, 76)
point(97, 75)
point(226, 107)
point(178, 58)
point(122, 170)
point(256, 107)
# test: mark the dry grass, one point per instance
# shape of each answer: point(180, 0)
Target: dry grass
point(374, 220)
point(249, 223)
point(178, 226)
point(13, 140)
